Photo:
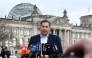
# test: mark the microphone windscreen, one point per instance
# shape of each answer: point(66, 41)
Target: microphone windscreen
point(48, 48)
point(34, 48)
point(39, 47)
point(55, 48)
point(43, 49)
point(29, 49)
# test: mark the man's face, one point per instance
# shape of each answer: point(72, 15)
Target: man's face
point(45, 28)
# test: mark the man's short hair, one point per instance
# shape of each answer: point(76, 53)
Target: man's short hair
point(45, 21)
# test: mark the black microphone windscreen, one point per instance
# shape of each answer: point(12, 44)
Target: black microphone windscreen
point(48, 48)
point(43, 49)
point(55, 48)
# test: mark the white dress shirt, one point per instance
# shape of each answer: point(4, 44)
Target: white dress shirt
point(44, 39)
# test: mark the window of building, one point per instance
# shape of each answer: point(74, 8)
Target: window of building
point(14, 42)
point(21, 42)
point(82, 36)
point(78, 35)
point(86, 36)
point(8, 43)
point(73, 35)
point(15, 31)
point(28, 32)
point(22, 32)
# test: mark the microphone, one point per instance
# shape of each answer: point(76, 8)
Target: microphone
point(48, 50)
point(38, 49)
point(35, 50)
point(43, 50)
point(55, 48)
point(29, 49)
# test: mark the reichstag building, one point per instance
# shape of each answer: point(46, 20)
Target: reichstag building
point(23, 21)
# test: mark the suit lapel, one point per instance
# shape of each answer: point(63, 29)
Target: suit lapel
point(49, 39)
point(38, 38)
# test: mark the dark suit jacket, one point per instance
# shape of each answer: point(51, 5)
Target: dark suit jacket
point(51, 40)
point(7, 53)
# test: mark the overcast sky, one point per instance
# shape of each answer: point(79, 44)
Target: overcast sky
point(75, 8)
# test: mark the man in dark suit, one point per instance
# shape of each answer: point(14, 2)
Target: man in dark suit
point(5, 53)
point(46, 37)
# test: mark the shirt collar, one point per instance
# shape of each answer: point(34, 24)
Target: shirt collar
point(45, 36)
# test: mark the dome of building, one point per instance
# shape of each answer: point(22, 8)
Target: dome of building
point(21, 10)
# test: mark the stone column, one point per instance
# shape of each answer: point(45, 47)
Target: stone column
point(70, 38)
point(59, 32)
point(34, 30)
point(80, 35)
point(90, 32)
point(19, 32)
point(54, 31)
point(64, 39)
point(76, 35)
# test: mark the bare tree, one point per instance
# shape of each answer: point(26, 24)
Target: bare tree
point(4, 35)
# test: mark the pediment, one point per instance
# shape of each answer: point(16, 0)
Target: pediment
point(59, 21)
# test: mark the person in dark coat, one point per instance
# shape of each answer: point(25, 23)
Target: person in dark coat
point(5, 53)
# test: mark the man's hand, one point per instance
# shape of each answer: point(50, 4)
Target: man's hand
point(84, 44)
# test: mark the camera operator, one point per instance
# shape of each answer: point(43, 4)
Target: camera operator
point(5, 53)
